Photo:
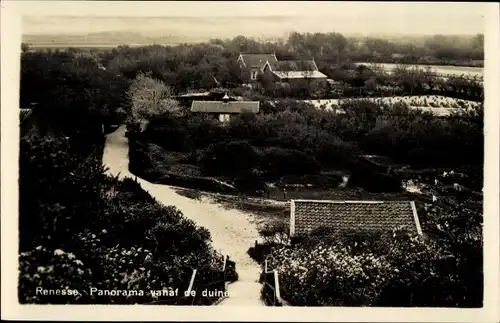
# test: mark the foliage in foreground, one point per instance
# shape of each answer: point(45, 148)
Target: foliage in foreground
point(444, 269)
point(81, 229)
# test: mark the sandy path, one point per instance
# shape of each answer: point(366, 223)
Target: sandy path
point(233, 232)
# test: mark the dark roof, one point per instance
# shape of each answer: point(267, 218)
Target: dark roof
point(294, 66)
point(221, 107)
point(308, 215)
point(258, 60)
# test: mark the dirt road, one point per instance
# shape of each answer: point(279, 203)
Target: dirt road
point(233, 232)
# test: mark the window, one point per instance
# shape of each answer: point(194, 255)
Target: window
point(253, 75)
point(224, 117)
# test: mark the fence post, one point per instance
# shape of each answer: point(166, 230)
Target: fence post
point(191, 282)
point(265, 266)
point(224, 265)
point(277, 286)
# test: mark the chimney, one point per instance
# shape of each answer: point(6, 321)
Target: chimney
point(225, 99)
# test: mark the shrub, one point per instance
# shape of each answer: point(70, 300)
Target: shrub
point(393, 269)
point(376, 182)
point(277, 162)
point(454, 275)
point(140, 162)
point(205, 131)
point(260, 251)
point(168, 132)
point(59, 191)
point(179, 237)
point(250, 181)
point(290, 180)
point(329, 275)
point(275, 232)
point(133, 190)
point(230, 157)
point(91, 230)
point(332, 179)
point(52, 269)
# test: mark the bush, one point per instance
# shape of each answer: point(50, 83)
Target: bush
point(133, 191)
point(275, 232)
point(333, 179)
point(277, 162)
point(59, 191)
point(396, 268)
point(81, 229)
point(229, 158)
point(376, 182)
point(168, 132)
point(250, 182)
point(329, 276)
point(52, 270)
point(290, 180)
point(205, 131)
point(261, 250)
point(140, 162)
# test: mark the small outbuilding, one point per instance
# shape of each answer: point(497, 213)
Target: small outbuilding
point(225, 109)
point(375, 216)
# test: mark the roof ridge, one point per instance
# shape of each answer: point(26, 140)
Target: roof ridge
point(220, 101)
point(352, 201)
point(257, 54)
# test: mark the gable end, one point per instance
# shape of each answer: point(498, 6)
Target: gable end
point(415, 216)
point(292, 218)
point(240, 59)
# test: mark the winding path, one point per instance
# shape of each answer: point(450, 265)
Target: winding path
point(232, 231)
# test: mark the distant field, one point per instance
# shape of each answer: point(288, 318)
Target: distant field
point(97, 45)
point(439, 105)
point(438, 69)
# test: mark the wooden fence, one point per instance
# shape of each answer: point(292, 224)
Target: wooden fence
point(205, 287)
point(271, 287)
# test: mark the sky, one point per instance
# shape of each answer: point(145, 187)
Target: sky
point(347, 17)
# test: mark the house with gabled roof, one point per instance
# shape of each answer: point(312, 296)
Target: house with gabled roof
point(286, 71)
point(225, 109)
point(254, 63)
point(338, 216)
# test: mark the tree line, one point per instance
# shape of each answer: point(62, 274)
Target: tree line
point(213, 63)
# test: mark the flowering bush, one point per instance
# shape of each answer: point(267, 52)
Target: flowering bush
point(50, 269)
point(329, 275)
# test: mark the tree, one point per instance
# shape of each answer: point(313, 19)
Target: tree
point(150, 97)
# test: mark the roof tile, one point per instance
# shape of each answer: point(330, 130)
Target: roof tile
point(294, 66)
point(221, 107)
point(258, 60)
point(345, 215)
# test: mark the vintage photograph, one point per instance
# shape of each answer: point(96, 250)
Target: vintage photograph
point(264, 154)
